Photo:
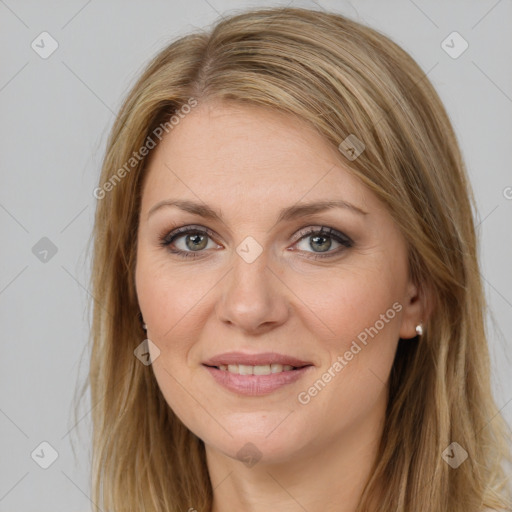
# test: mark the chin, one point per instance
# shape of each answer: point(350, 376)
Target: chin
point(252, 451)
point(269, 445)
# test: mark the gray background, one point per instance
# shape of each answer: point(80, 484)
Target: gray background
point(55, 116)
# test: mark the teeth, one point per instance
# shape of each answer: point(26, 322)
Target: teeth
point(265, 369)
point(260, 370)
point(276, 368)
point(245, 370)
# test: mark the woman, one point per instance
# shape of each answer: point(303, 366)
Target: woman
point(288, 310)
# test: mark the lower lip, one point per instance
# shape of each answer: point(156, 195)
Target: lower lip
point(255, 385)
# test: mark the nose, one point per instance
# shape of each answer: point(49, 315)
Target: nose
point(252, 296)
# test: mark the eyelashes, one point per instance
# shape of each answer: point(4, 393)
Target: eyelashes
point(167, 240)
point(200, 236)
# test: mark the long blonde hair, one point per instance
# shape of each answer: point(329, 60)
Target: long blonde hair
point(344, 79)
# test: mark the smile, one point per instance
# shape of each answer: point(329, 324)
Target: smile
point(245, 380)
point(265, 369)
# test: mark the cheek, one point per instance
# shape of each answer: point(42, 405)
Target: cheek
point(359, 315)
point(169, 314)
point(171, 301)
point(347, 303)
point(169, 297)
point(363, 315)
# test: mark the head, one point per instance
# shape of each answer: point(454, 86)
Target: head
point(253, 283)
point(248, 121)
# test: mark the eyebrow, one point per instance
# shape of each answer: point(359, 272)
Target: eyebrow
point(286, 214)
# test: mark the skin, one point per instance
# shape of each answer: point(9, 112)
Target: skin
point(248, 163)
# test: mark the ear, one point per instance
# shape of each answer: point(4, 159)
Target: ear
point(417, 308)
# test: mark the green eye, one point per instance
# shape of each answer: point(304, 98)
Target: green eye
point(196, 240)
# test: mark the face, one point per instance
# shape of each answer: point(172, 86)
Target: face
point(242, 280)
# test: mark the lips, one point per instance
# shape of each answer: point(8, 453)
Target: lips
point(256, 374)
point(256, 385)
point(268, 358)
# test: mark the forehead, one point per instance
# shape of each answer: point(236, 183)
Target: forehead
point(224, 151)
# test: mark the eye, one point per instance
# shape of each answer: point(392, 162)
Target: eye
point(190, 241)
point(320, 240)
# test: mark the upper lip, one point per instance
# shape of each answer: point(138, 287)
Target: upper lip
point(255, 359)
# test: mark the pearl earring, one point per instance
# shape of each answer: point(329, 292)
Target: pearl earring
point(419, 329)
point(144, 326)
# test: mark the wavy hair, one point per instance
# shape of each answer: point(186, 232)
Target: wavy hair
point(343, 78)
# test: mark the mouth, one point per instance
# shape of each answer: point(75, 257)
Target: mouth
point(257, 374)
point(272, 360)
point(264, 369)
